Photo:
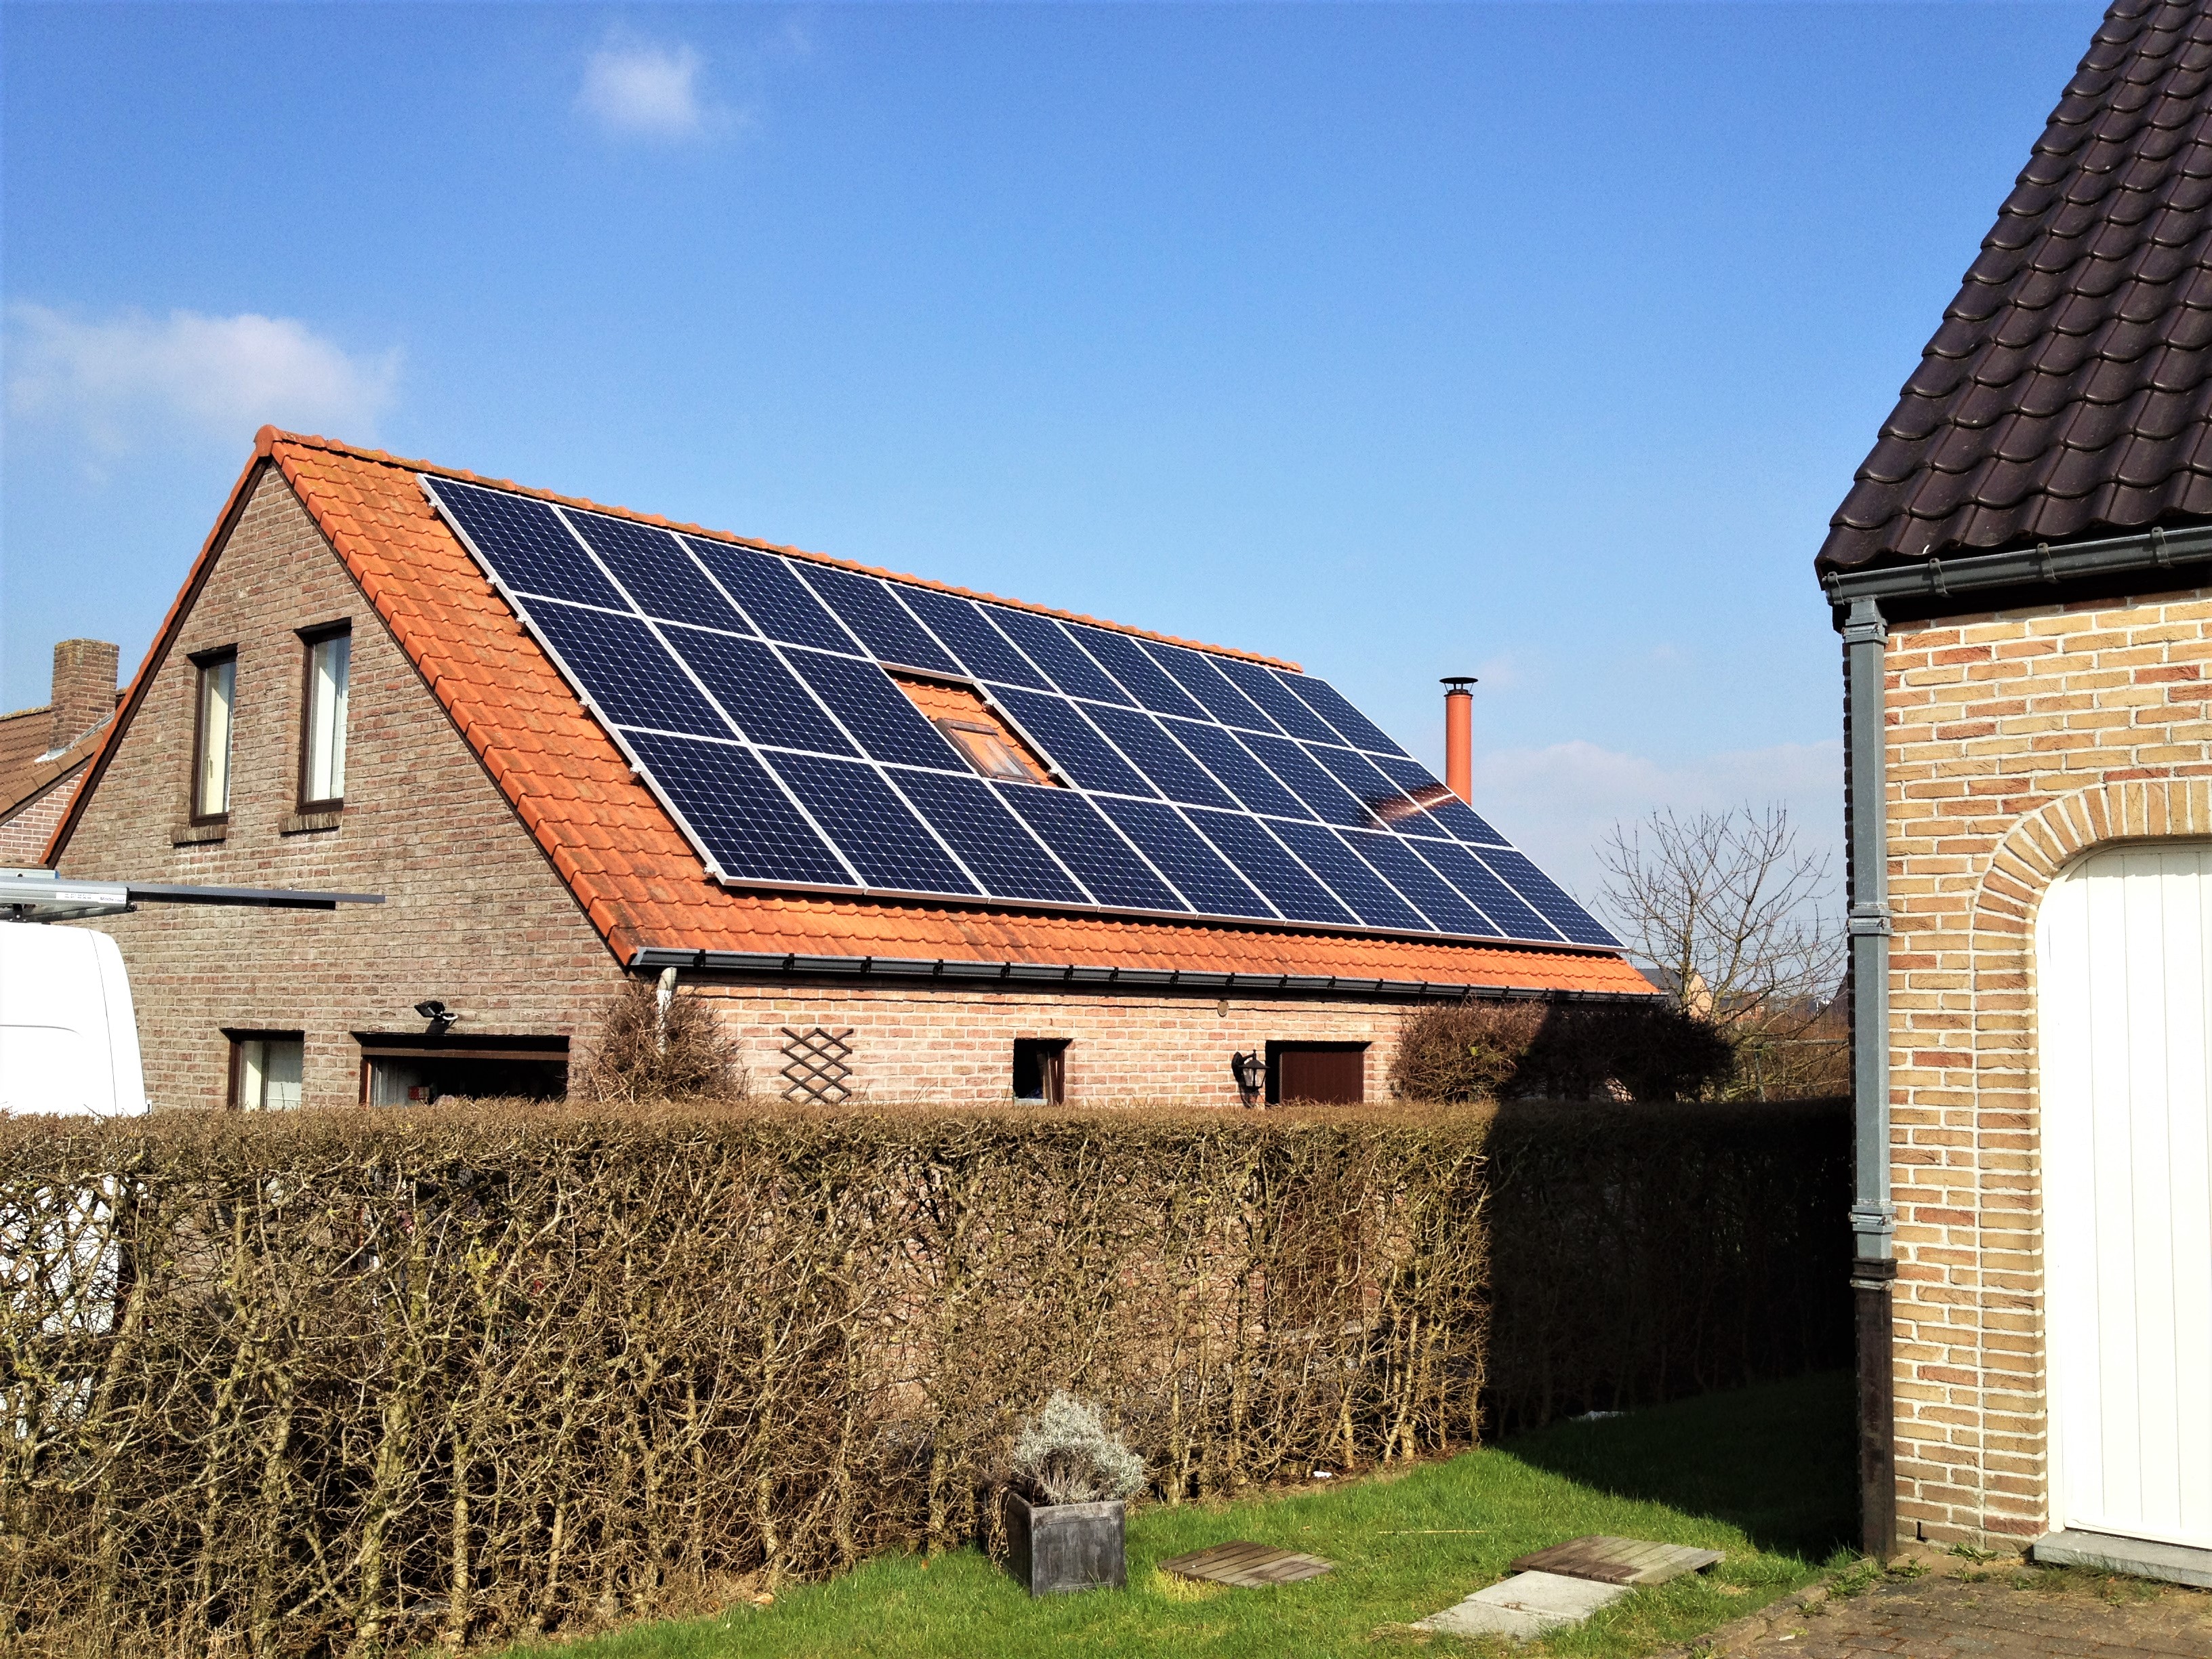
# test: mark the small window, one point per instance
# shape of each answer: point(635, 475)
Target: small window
point(264, 1071)
point(213, 697)
point(1323, 1074)
point(323, 736)
point(987, 750)
point(1041, 1070)
point(407, 1069)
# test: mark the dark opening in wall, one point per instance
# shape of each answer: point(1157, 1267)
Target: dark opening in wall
point(408, 1069)
point(1041, 1069)
point(1330, 1073)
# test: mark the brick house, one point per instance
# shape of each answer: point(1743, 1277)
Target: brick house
point(342, 698)
point(2022, 575)
point(46, 751)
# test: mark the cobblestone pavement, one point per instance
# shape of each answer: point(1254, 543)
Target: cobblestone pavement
point(1941, 1608)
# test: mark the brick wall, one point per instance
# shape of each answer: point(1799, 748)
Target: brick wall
point(2015, 742)
point(474, 913)
point(25, 832)
point(958, 1046)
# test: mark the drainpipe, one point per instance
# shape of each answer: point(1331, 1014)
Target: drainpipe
point(1873, 1268)
point(1459, 736)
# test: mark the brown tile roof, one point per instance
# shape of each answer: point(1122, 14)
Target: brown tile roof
point(633, 870)
point(2068, 391)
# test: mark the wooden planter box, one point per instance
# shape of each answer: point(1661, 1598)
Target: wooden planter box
point(1068, 1547)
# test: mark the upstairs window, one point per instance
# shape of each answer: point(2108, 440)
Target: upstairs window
point(987, 749)
point(323, 735)
point(213, 698)
point(265, 1070)
point(973, 726)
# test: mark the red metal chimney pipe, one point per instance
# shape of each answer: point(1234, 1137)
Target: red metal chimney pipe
point(1459, 736)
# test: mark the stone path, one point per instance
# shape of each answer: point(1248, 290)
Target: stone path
point(1958, 1610)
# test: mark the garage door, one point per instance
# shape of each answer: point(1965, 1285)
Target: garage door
point(2124, 950)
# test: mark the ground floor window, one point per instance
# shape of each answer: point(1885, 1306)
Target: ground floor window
point(410, 1070)
point(1041, 1070)
point(1328, 1073)
point(265, 1070)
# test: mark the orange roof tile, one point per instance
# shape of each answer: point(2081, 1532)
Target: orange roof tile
point(634, 872)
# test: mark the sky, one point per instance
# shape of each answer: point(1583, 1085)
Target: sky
point(1536, 342)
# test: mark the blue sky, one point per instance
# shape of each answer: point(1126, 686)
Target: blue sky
point(1536, 342)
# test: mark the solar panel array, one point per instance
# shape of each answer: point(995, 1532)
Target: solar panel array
point(750, 690)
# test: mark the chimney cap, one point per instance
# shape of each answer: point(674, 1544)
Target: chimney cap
point(1458, 685)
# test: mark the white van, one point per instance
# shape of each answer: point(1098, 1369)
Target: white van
point(68, 1036)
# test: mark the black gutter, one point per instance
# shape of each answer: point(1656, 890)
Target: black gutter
point(907, 970)
point(1902, 586)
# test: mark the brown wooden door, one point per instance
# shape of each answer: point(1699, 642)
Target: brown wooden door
point(1328, 1073)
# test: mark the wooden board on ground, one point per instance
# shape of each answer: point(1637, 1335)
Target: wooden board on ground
point(1617, 1560)
point(1247, 1566)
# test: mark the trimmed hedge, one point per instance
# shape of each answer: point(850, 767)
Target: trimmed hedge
point(344, 1382)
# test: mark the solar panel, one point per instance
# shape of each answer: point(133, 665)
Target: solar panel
point(1006, 857)
point(1184, 857)
point(1245, 843)
point(1088, 845)
point(750, 688)
point(1072, 743)
point(870, 610)
point(781, 605)
point(1159, 756)
point(1048, 646)
point(886, 842)
point(968, 632)
point(661, 579)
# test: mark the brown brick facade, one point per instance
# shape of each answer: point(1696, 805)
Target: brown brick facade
point(2015, 742)
point(474, 914)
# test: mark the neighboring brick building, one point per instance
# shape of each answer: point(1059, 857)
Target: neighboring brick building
point(2023, 576)
point(44, 751)
point(528, 868)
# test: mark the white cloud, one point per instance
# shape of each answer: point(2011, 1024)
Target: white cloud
point(642, 91)
point(1558, 803)
point(134, 379)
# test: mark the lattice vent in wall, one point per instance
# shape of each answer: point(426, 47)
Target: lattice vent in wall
point(814, 1065)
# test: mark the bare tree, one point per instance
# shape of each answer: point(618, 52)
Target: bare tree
point(1736, 913)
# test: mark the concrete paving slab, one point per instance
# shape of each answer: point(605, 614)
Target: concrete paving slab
point(1528, 1604)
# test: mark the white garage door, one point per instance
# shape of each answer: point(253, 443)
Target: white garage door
point(2124, 950)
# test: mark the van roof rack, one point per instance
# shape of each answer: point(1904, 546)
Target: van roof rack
point(47, 896)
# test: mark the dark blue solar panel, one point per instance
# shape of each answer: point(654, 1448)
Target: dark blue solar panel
point(1309, 782)
point(624, 670)
point(529, 549)
point(1088, 845)
point(1233, 763)
point(1456, 816)
point(1185, 858)
point(1264, 863)
point(1493, 897)
point(1348, 877)
point(1159, 756)
point(1141, 677)
point(1058, 727)
point(747, 824)
point(658, 575)
point(866, 607)
point(993, 843)
point(1439, 900)
point(874, 710)
point(1377, 793)
point(967, 629)
point(1332, 706)
point(778, 604)
point(1050, 649)
point(1549, 899)
point(1258, 684)
point(878, 832)
point(759, 693)
point(1195, 673)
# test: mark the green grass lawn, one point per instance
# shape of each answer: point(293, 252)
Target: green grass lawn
point(1765, 1474)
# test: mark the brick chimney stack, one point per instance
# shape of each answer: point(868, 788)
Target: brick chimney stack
point(84, 689)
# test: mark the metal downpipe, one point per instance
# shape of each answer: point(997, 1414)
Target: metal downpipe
point(1873, 1267)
